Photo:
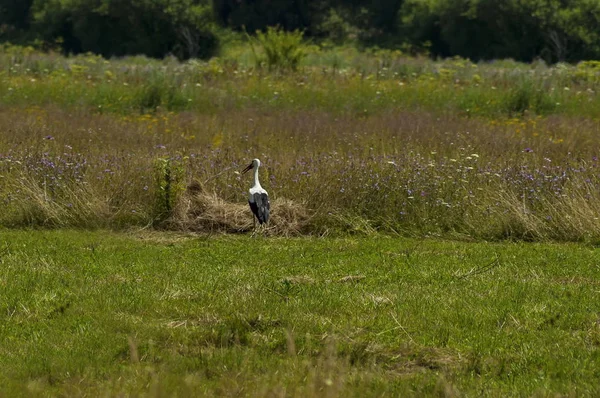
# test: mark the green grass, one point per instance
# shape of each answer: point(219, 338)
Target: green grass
point(139, 313)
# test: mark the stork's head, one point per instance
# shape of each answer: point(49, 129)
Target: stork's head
point(254, 165)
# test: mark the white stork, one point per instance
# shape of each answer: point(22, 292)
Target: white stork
point(259, 198)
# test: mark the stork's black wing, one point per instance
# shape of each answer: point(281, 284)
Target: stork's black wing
point(261, 207)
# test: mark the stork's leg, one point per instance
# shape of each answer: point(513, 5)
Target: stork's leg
point(253, 225)
point(263, 229)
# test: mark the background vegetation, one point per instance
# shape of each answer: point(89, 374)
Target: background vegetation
point(552, 30)
point(351, 142)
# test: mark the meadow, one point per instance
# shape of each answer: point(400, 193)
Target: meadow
point(166, 314)
point(434, 226)
point(350, 142)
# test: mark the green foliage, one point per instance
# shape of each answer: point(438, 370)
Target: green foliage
point(282, 50)
point(116, 27)
point(369, 82)
point(337, 28)
point(525, 30)
point(522, 30)
point(255, 15)
point(529, 96)
point(158, 92)
point(587, 72)
point(14, 19)
point(17, 54)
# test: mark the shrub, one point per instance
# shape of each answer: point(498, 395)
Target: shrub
point(282, 50)
point(159, 92)
point(520, 29)
point(528, 96)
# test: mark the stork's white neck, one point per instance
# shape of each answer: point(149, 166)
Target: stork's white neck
point(256, 182)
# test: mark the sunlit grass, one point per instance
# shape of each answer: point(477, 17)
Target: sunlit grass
point(154, 313)
point(352, 144)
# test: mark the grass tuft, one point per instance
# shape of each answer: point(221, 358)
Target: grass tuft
point(79, 206)
point(529, 96)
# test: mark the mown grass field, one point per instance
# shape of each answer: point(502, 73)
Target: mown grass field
point(153, 314)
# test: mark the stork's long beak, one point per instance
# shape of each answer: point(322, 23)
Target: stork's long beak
point(247, 168)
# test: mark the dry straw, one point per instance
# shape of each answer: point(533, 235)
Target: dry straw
point(199, 210)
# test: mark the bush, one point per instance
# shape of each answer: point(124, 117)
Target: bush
point(159, 92)
point(282, 50)
point(14, 20)
point(528, 96)
point(524, 30)
point(255, 15)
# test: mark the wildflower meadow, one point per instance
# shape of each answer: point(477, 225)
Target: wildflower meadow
point(362, 143)
point(434, 226)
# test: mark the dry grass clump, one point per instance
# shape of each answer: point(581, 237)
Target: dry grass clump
point(80, 206)
point(200, 210)
point(568, 218)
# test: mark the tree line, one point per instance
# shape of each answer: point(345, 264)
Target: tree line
point(553, 30)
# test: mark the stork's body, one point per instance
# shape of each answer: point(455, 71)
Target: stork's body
point(258, 198)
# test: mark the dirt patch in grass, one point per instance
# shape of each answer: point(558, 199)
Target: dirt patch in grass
point(410, 360)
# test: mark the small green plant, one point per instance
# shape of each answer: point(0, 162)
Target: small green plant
point(149, 97)
point(587, 72)
point(169, 185)
point(282, 50)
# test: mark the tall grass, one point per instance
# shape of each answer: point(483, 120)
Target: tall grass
point(372, 142)
point(406, 172)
